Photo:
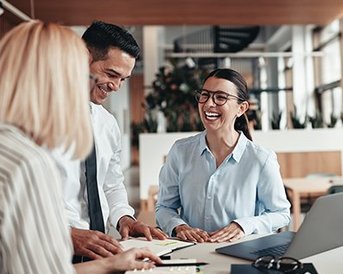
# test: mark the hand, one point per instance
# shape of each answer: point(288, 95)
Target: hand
point(187, 233)
point(130, 227)
point(128, 260)
point(230, 233)
point(94, 244)
point(133, 259)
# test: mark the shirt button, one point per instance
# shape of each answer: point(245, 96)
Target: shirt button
point(208, 197)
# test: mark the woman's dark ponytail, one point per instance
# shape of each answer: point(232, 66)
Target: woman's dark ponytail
point(242, 124)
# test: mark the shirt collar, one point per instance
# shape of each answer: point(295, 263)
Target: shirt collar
point(203, 146)
point(237, 151)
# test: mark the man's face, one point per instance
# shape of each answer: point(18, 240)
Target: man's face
point(110, 73)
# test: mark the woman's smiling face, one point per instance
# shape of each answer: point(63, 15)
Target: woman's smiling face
point(216, 117)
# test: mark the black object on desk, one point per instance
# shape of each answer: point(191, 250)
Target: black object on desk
point(307, 268)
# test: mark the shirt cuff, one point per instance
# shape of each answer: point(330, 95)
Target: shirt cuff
point(247, 225)
point(131, 217)
point(173, 224)
point(115, 215)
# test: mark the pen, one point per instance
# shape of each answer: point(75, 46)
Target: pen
point(181, 264)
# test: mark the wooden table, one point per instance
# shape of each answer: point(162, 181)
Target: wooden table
point(299, 187)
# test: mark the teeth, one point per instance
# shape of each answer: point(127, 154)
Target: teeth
point(212, 114)
point(103, 90)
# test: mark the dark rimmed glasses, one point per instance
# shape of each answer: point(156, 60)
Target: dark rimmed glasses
point(282, 264)
point(218, 97)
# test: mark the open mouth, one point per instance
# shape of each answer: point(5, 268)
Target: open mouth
point(103, 90)
point(212, 115)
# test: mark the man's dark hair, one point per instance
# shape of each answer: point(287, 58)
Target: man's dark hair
point(100, 37)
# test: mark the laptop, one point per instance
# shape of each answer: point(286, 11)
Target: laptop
point(321, 230)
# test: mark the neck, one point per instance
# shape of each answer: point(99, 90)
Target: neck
point(221, 144)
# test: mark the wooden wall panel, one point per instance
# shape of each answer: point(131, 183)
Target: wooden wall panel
point(137, 97)
point(137, 111)
point(301, 164)
point(191, 12)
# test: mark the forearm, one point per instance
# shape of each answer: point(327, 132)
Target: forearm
point(167, 219)
point(265, 223)
point(97, 266)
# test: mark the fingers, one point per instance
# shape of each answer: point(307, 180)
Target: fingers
point(187, 233)
point(112, 244)
point(96, 251)
point(140, 258)
point(158, 233)
point(124, 232)
point(230, 233)
point(143, 253)
point(232, 236)
point(145, 230)
point(150, 232)
point(138, 228)
point(90, 254)
point(94, 244)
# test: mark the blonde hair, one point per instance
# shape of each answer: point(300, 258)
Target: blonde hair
point(44, 85)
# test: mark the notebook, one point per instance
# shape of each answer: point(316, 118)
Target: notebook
point(158, 247)
point(179, 266)
point(321, 230)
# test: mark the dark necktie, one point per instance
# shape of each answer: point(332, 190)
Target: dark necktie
point(94, 207)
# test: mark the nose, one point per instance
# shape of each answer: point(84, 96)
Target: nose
point(210, 101)
point(114, 85)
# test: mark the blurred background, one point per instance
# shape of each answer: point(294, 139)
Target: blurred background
point(290, 53)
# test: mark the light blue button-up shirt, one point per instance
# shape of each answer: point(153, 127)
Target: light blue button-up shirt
point(246, 188)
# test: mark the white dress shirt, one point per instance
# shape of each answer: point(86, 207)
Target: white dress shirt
point(34, 234)
point(112, 192)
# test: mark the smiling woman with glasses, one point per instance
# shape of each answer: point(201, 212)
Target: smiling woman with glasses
point(218, 185)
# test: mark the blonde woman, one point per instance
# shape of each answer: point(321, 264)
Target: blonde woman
point(43, 105)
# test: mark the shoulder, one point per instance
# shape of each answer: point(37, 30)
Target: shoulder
point(23, 153)
point(259, 153)
point(18, 148)
point(25, 164)
point(188, 141)
point(185, 146)
point(101, 117)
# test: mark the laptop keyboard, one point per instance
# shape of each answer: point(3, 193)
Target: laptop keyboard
point(277, 251)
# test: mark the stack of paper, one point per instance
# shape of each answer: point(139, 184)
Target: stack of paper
point(176, 267)
point(158, 247)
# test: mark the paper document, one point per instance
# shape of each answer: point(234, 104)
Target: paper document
point(171, 269)
point(158, 247)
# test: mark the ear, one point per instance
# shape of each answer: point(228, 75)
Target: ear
point(243, 107)
point(90, 57)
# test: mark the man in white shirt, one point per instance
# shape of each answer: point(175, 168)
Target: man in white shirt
point(113, 53)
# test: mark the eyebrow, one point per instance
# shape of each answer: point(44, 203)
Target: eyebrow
point(116, 73)
point(215, 91)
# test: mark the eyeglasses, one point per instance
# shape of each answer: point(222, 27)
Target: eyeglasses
point(92, 81)
point(283, 264)
point(218, 97)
